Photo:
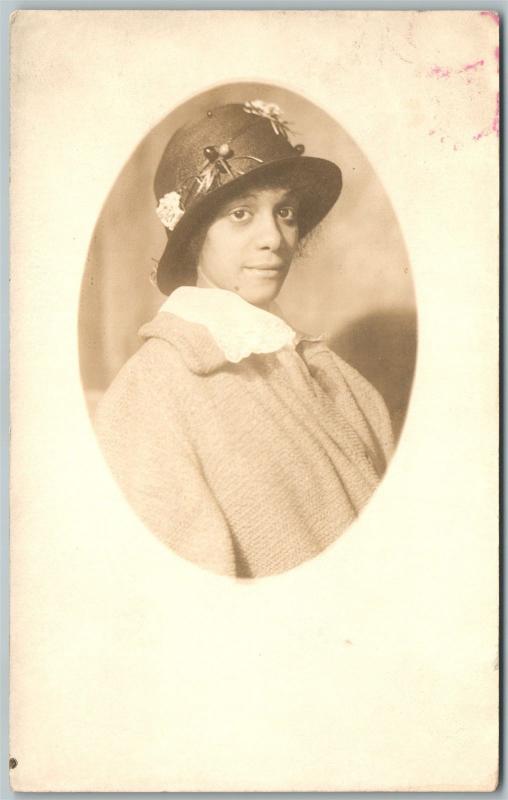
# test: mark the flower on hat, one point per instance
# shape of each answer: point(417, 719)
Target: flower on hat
point(262, 108)
point(169, 210)
point(270, 111)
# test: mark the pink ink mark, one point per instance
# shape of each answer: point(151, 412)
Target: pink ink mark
point(493, 15)
point(495, 121)
point(439, 72)
point(431, 133)
point(494, 126)
point(473, 65)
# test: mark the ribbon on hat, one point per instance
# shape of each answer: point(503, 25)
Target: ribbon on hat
point(220, 167)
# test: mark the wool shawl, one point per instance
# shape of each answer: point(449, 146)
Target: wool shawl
point(250, 468)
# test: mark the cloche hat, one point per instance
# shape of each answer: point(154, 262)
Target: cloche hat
point(226, 151)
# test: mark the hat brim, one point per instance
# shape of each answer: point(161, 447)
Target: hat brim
point(320, 183)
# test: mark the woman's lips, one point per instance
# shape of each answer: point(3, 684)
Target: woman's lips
point(264, 270)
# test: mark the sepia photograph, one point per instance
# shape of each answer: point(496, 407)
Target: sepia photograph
point(247, 436)
point(254, 275)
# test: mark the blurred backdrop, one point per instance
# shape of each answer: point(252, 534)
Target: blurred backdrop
point(352, 282)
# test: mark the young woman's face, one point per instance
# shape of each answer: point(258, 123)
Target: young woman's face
point(249, 246)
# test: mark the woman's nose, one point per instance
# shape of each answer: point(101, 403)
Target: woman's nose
point(268, 235)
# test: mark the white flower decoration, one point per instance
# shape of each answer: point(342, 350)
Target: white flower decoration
point(269, 111)
point(169, 210)
point(262, 108)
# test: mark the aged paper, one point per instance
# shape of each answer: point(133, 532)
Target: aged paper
point(374, 665)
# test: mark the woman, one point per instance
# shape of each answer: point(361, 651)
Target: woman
point(245, 446)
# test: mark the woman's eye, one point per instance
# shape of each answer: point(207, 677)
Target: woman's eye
point(239, 214)
point(288, 214)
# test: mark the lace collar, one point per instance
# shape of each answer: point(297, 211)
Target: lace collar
point(238, 328)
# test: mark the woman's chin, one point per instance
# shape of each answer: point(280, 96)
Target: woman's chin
point(260, 293)
point(259, 297)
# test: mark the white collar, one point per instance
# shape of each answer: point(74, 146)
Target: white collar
point(238, 327)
